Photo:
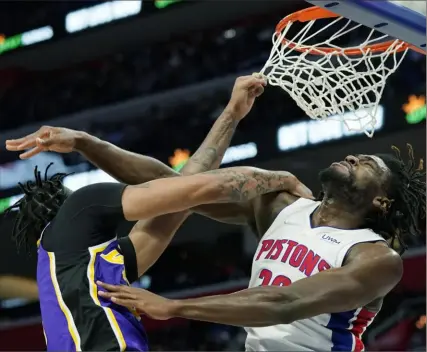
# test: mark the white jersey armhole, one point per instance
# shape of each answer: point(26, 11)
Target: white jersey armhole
point(345, 249)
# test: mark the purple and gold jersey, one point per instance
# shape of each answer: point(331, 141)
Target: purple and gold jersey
point(74, 317)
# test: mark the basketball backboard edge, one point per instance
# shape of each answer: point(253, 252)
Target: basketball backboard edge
point(395, 20)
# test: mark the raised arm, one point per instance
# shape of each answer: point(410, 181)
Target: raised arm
point(131, 168)
point(124, 166)
point(151, 237)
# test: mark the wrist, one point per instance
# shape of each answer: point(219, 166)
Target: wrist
point(231, 113)
point(175, 307)
point(82, 141)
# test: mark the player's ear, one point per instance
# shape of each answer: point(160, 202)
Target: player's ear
point(382, 204)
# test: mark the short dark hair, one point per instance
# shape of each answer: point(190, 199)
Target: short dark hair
point(405, 217)
point(39, 205)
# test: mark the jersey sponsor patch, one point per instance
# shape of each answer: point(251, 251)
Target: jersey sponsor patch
point(327, 238)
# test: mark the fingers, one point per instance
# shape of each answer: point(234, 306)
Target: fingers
point(254, 81)
point(21, 140)
point(260, 78)
point(303, 191)
point(122, 295)
point(130, 304)
point(118, 298)
point(30, 153)
point(113, 288)
point(47, 142)
point(38, 145)
point(250, 81)
point(258, 91)
point(21, 144)
point(27, 142)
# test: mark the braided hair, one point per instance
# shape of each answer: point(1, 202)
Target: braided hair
point(39, 205)
point(405, 217)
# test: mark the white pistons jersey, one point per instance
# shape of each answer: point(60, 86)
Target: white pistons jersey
point(292, 250)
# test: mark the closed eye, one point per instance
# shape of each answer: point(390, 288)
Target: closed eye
point(369, 162)
point(371, 166)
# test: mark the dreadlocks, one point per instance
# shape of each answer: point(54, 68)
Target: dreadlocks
point(39, 205)
point(404, 219)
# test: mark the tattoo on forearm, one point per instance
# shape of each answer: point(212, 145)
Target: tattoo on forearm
point(205, 157)
point(216, 143)
point(245, 184)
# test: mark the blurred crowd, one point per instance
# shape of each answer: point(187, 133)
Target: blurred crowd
point(37, 96)
point(199, 57)
point(198, 337)
point(199, 264)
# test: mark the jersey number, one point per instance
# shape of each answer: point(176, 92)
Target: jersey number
point(267, 279)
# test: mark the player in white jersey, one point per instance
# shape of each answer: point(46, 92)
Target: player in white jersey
point(322, 267)
point(366, 200)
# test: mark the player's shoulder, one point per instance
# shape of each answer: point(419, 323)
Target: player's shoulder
point(375, 252)
point(269, 206)
point(94, 194)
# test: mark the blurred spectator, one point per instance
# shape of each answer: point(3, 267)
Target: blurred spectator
point(18, 287)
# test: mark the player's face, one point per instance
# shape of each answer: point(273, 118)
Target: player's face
point(362, 177)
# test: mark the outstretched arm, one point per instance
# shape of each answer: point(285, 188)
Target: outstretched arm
point(175, 194)
point(372, 271)
point(132, 168)
point(151, 237)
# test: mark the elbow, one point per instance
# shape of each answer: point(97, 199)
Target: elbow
point(280, 307)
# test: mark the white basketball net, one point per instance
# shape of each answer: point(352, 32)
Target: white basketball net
point(326, 86)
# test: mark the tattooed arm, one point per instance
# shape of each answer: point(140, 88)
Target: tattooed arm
point(151, 237)
point(175, 194)
point(134, 169)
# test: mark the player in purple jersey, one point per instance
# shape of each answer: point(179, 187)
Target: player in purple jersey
point(76, 231)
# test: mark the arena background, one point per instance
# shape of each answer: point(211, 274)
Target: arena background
point(151, 77)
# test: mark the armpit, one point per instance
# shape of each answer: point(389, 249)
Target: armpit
point(268, 206)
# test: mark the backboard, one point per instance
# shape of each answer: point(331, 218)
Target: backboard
point(404, 20)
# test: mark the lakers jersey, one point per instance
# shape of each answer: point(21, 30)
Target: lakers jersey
point(74, 317)
point(292, 250)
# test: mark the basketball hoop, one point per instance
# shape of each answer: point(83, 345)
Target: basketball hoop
point(327, 80)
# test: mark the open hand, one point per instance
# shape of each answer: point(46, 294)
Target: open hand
point(246, 89)
point(55, 139)
point(144, 302)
